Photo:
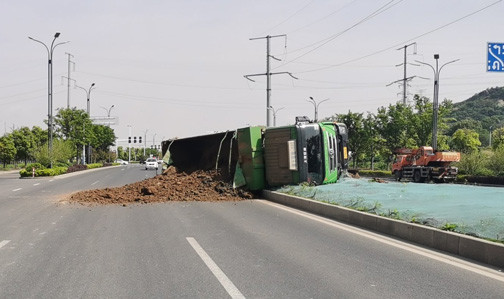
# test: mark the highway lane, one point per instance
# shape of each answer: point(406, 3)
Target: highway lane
point(209, 250)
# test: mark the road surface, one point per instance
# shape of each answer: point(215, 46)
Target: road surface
point(248, 249)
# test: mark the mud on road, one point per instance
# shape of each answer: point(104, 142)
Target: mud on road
point(171, 185)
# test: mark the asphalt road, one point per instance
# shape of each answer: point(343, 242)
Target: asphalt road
point(249, 249)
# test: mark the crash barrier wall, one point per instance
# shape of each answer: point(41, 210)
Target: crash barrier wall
point(465, 246)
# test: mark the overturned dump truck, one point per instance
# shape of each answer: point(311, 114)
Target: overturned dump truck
point(259, 157)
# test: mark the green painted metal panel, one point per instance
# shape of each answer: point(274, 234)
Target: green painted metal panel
point(251, 156)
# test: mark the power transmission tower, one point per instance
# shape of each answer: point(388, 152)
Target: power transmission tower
point(268, 75)
point(405, 79)
point(68, 78)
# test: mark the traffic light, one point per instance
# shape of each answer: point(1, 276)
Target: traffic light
point(134, 139)
point(140, 139)
point(129, 139)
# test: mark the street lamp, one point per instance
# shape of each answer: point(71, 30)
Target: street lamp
point(275, 113)
point(315, 105)
point(436, 94)
point(88, 94)
point(50, 51)
point(108, 110)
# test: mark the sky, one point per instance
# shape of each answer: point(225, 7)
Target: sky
point(176, 68)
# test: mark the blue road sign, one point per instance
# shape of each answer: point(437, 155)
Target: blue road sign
point(495, 58)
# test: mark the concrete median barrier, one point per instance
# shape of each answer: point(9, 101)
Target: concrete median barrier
point(479, 250)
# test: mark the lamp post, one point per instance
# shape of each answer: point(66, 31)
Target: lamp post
point(145, 140)
point(88, 94)
point(50, 51)
point(435, 102)
point(315, 105)
point(129, 144)
point(107, 110)
point(275, 113)
point(154, 143)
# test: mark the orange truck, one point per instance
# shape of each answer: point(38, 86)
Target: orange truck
point(424, 164)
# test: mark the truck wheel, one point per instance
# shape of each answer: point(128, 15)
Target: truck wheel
point(417, 178)
point(398, 175)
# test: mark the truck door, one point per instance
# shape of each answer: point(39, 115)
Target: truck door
point(330, 140)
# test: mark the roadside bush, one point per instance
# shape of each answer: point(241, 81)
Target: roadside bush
point(43, 172)
point(94, 165)
point(375, 173)
point(60, 164)
point(34, 165)
point(76, 167)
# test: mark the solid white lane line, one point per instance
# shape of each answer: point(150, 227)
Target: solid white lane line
point(94, 183)
point(445, 258)
point(16, 189)
point(223, 279)
point(36, 184)
point(3, 243)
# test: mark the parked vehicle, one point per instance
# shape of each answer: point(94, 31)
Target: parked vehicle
point(120, 161)
point(151, 163)
point(260, 157)
point(424, 164)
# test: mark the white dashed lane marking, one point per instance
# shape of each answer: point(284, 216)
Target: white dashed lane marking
point(16, 189)
point(3, 243)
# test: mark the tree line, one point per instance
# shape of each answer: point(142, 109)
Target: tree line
point(73, 130)
point(374, 137)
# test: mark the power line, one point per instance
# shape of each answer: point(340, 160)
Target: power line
point(291, 16)
point(403, 42)
point(325, 41)
point(323, 18)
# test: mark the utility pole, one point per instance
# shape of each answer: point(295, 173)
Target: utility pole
point(405, 79)
point(268, 74)
point(68, 78)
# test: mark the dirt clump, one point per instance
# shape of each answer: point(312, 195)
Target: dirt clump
point(171, 185)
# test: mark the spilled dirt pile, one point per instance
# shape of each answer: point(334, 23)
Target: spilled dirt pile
point(171, 185)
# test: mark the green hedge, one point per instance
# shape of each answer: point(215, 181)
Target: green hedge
point(94, 165)
point(43, 172)
point(375, 173)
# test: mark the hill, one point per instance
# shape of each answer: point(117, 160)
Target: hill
point(480, 112)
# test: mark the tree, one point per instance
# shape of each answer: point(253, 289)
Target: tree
point(24, 142)
point(393, 124)
point(465, 140)
point(357, 137)
point(103, 137)
point(75, 126)
point(497, 138)
point(62, 152)
point(7, 150)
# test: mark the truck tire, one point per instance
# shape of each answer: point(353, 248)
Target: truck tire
point(398, 175)
point(417, 177)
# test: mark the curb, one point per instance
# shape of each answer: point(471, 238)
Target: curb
point(464, 246)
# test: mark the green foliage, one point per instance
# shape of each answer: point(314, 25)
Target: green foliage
point(94, 165)
point(24, 141)
point(7, 150)
point(465, 140)
point(375, 173)
point(497, 161)
point(43, 172)
point(449, 227)
point(473, 164)
point(498, 138)
point(61, 153)
point(34, 165)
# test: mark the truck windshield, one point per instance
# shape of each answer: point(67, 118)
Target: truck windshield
point(314, 153)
